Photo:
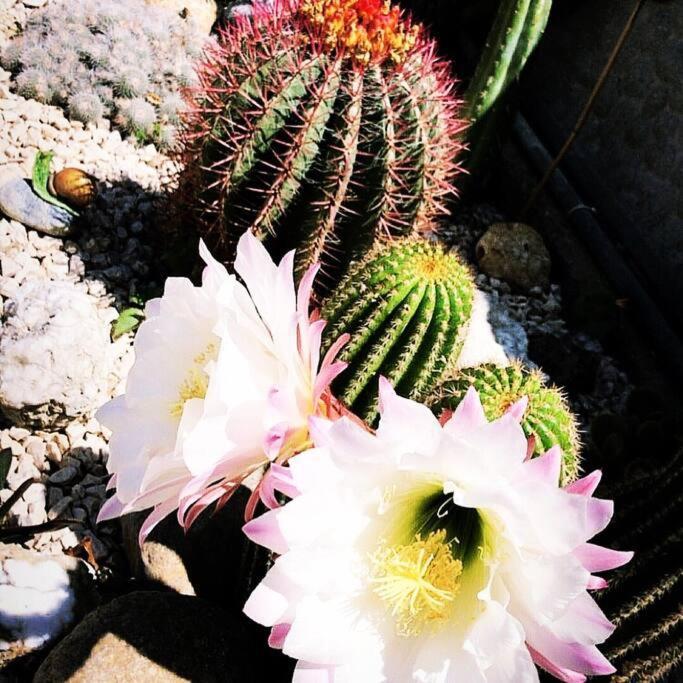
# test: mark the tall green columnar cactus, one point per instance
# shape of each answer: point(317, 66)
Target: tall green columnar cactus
point(321, 125)
point(547, 417)
point(517, 28)
point(406, 306)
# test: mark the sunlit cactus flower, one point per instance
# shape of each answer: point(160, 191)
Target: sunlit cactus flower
point(429, 552)
point(225, 378)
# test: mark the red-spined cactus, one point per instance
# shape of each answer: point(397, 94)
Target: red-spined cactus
point(321, 125)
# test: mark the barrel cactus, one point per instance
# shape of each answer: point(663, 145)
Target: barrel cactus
point(406, 305)
point(320, 125)
point(547, 417)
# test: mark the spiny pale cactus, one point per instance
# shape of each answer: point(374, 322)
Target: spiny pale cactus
point(547, 418)
point(406, 306)
point(321, 125)
point(118, 60)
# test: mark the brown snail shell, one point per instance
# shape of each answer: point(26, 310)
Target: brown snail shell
point(73, 186)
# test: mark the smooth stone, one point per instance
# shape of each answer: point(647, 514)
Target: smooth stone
point(40, 595)
point(516, 253)
point(64, 476)
point(165, 638)
point(19, 202)
point(212, 560)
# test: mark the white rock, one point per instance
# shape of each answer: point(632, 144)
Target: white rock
point(40, 596)
point(493, 336)
point(55, 355)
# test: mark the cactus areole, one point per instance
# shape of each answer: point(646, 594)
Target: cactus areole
point(321, 125)
point(406, 306)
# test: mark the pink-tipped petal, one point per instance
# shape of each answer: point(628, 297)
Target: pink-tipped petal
point(277, 635)
point(265, 531)
point(584, 659)
point(596, 583)
point(585, 486)
point(335, 349)
point(203, 502)
point(517, 409)
point(468, 415)
point(598, 514)
point(325, 378)
point(312, 353)
point(157, 515)
point(111, 484)
point(386, 393)
point(595, 558)
point(303, 296)
point(111, 508)
point(546, 467)
point(564, 675)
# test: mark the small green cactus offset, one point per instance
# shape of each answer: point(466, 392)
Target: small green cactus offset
point(547, 417)
point(407, 306)
point(320, 125)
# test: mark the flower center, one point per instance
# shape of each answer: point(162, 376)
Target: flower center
point(196, 381)
point(418, 581)
point(434, 267)
point(369, 30)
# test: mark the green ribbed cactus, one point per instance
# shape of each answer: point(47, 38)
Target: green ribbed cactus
point(320, 125)
point(547, 418)
point(406, 305)
point(516, 30)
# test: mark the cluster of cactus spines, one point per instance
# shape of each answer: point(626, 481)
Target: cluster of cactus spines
point(121, 60)
point(321, 125)
point(517, 28)
point(547, 418)
point(407, 306)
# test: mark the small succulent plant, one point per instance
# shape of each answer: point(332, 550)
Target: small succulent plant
point(406, 305)
point(547, 418)
point(125, 60)
point(321, 125)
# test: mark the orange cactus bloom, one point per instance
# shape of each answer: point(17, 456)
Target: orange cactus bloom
point(369, 30)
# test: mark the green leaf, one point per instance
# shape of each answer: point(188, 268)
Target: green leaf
point(41, 173)
point(128, 321)
point(5, 464)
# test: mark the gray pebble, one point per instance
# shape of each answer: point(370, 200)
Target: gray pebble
point(65, 476)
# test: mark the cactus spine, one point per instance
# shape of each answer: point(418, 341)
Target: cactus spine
point(547, 418)
point(321, 125)
point(516, 30)
point(406, 306)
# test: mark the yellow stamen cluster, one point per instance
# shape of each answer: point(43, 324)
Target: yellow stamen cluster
point(368, 30)
point(196, 380)
point(418, 582)
point(436, 266)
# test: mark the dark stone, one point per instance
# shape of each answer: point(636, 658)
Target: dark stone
point(163, 637)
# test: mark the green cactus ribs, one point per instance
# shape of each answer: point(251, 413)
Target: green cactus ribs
point(547, 418)
point(320, 135)
point(406, 305)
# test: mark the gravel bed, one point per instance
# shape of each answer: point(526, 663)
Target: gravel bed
point(109, 259)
